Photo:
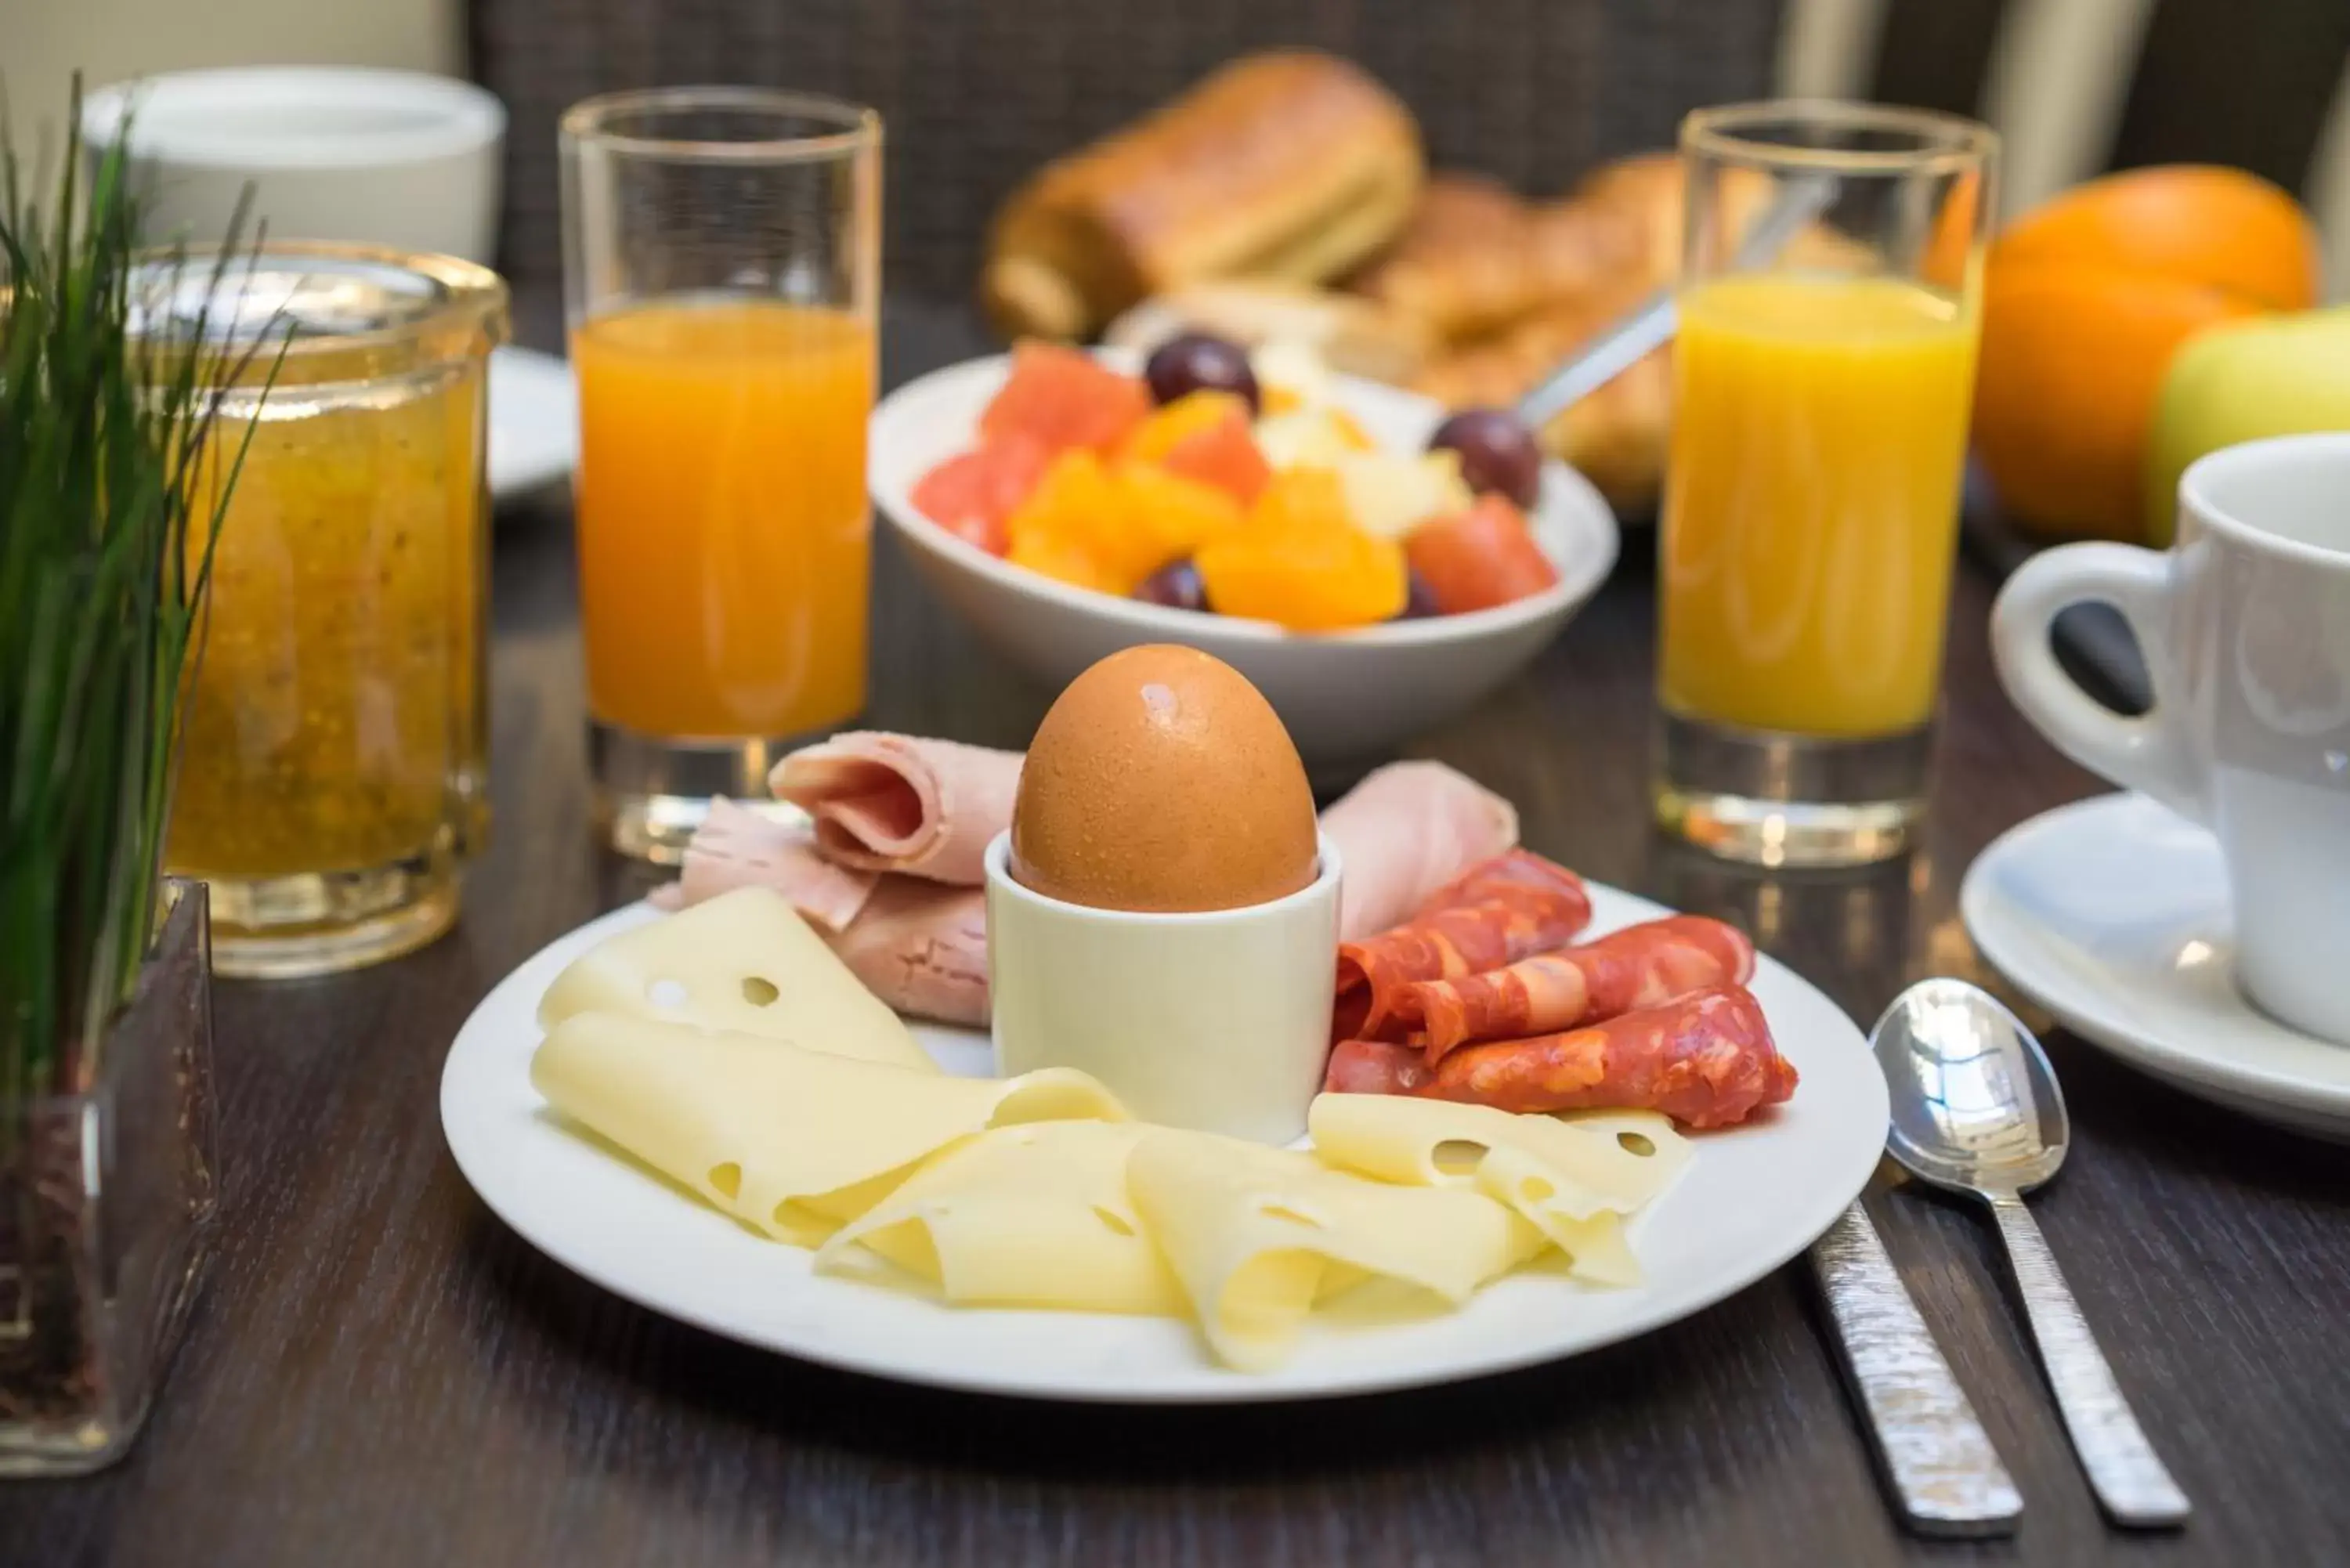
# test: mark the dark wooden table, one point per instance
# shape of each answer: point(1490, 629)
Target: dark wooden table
point(379, 1373)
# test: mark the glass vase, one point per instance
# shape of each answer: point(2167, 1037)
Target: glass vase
point(107, 1197)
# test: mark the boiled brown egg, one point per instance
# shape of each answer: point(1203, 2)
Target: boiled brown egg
point(1162, 780)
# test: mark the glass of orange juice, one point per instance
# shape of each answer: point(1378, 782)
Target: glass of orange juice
point(1821, 395)
point(721, 248)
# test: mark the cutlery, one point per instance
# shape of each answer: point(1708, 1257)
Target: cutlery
point(1976, 1110)
point(1946, 1477)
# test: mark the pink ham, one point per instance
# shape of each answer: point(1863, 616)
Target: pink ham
point(735, 846)
point(921, 947)
point(1403, 833)
point(902, 803)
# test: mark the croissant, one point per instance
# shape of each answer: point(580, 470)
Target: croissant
point(1291, 166)
point(1475, 258)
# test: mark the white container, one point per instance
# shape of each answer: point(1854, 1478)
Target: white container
point(396, 158)
point(1218, 1020)
point(1344, 697)
point(2245, 623)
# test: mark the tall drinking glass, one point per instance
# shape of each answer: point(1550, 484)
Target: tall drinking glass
point(1821, 395)
point(721, 248)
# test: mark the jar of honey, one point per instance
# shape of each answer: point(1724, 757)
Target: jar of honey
point(334, 777)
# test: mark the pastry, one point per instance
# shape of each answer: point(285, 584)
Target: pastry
point(1290, 165)
point(1474, 258)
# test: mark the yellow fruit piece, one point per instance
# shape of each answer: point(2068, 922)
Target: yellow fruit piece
point(1108, 527)
point(1167, 516)
point(1315, 437)
point(1057, 529)
point(1301, 564)
point(1167, 428)
point(1391, 493)
point(1066, 561)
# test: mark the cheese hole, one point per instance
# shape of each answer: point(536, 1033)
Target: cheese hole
point(666, 993)
point(1282, 1211)
point(1535, 1190)
point(1459, 1157)
point(759, 992)
point(1114, 1220)
point(727, 1178)
point(1635, 1143)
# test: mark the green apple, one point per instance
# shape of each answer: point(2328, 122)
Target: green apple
point(2274, 375)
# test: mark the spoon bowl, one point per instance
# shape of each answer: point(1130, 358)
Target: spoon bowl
point(1976, 1107)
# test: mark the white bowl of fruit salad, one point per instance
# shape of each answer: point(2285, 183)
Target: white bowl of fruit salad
point(1297, 524)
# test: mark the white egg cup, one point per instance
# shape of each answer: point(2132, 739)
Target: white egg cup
point(1217, 1020)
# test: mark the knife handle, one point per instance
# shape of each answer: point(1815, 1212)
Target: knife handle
point(1937, 1461)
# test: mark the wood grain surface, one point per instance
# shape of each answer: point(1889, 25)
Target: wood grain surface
point(379, 1374)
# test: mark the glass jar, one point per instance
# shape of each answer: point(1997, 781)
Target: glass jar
point(333, 781)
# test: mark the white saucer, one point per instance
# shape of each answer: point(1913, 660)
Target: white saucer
point(2113, 914)
point(533, 421)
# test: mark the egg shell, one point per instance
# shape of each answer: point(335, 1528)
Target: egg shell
point(1162, 781)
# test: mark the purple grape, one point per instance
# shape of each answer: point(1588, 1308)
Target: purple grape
point(1177, 587)
point(1497, 452)
point(1198, 361)
point(1418, 601)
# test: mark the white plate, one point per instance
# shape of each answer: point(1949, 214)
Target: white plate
point(533, 421)
point(1344, 696)
point(1752, 1199)
point(2113, 914)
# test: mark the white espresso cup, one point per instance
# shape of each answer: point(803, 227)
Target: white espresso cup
point(2245, 624)
point(1218, 1020)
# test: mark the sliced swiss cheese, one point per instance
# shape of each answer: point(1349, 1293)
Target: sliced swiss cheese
point(1575, 1176)
point(1035, 1215)
point(790, 1141)
point(744, 962)
point(1256, 1236)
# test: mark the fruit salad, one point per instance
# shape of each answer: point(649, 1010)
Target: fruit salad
point(1229, 484)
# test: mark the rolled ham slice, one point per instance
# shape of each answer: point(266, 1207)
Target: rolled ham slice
point(1495, 913)
point(1403, 833)
point(1640, 966)
point(735, 846)
point(901, 803)
point(1706, 1059)
point(919, 946)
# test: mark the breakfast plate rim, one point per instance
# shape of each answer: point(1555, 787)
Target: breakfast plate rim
point(1572, 523)
point(2086, 995)
point(1836, 1129)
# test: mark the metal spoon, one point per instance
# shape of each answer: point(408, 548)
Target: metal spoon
point(1976, 1109)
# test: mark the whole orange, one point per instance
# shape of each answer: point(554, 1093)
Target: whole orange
point(2085, 301)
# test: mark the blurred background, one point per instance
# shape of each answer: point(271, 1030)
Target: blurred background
point(1533, 92)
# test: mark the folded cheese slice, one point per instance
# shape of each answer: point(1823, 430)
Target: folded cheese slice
point(1575, 1176)
point(1035, 1215)
point(1256, 1236)
point(790, 1142)
point(745, 961)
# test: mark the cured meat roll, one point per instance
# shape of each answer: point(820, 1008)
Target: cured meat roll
point(1496, 912)
point(902, 803)
point(1706, 1059)
point(1640, 966)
